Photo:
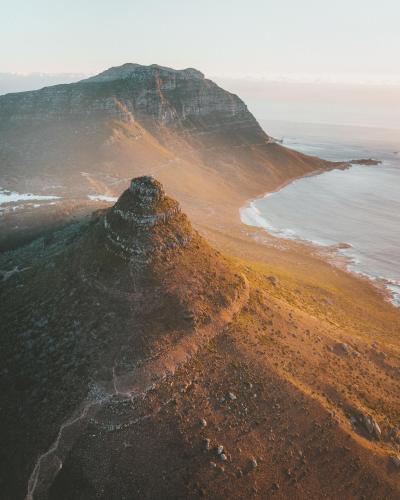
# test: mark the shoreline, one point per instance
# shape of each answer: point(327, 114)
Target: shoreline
point(333, 254)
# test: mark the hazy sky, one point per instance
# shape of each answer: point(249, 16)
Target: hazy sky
point(340, 39)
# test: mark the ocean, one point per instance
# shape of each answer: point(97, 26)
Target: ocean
point(359, 206)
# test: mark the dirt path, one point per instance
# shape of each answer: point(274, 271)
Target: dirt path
point(129, 386)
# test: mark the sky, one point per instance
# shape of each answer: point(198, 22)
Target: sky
point(357, 38)
point(320, 43)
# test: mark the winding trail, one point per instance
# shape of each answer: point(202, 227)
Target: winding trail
point(135, 384)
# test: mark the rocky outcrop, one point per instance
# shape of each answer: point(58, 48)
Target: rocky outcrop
point(145, 223)
point(145, 250)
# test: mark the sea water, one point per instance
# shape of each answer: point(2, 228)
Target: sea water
point(359, 206)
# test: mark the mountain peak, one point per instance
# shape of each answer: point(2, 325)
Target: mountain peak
point(146, 190)
point(145, 222)
point(137, 71)
point(144, 248)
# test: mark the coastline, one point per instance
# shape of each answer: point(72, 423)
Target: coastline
point(336, 165)
point(332, 254)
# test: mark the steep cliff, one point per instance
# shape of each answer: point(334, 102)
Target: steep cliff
point(152, 95)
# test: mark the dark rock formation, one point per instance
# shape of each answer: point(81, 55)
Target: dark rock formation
point(139, 213)
point(365, 161)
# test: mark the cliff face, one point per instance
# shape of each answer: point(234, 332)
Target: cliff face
point(128, 93)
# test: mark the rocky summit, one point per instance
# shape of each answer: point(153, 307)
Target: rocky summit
point(144, 221)
point(145, 247)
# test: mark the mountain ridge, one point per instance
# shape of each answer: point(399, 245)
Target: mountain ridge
point(130, 70)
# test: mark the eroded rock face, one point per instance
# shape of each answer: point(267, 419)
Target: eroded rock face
point(127, 93)
point(145, 222)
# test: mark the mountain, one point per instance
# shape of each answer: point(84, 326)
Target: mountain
point(146, 355)
point(90, 137)
point(83, 141)
point(120, 303)
point(139, 362)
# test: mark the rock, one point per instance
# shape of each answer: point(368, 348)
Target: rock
point(343, 245)
point(343, 347)
point(203, 422)
point(394, 434)
point(189, 316)
point(220, 449)
point(223, 457)
point(376, 430)
point(367, 423)
point(232, 396)
point(371, 425)
point(239, 473)
point(253, 462)
point(395, 460)
point(365, 161)
point(273, 280)
point(207, 444)
point(353, 421)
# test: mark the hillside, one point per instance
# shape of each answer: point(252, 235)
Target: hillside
point(149, 355)
point(105, 310)
point(138, 362)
